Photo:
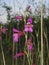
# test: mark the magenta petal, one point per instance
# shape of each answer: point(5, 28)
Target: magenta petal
point(15, 37)
point(31, 25)
point(15, 30)
point(19, 34)
point(30, 47)
point(29, 40)
point(4, 29)
point(25, 26)
point(19, 54)
point(26, 29)
point(29, 20)
point(30, 30)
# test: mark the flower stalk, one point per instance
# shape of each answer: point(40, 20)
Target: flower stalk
point(2, 51)
point(41, 32)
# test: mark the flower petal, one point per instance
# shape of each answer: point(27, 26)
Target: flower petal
point(15, 37)
point(30, 30)
point(19, 54)
point(26, 29)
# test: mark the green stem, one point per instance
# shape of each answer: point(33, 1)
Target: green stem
point(28, 57)
point(41, 32)
point(45, 34)
point(25, 48)
point(2, 50)
point(13, 53)
point(3, 54)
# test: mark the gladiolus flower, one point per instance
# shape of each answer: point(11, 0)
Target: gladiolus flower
point(15, 37)
point(28, 28)
point(29, 20)
point(15, 30)
point(29, 40)
point(30, 47)
point(20, 33)
point(19, 54)
point(17, 34)
point(3, 30)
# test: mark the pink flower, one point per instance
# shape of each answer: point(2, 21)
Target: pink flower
point(20, 33)
point(29, 40)
point(15, 37)
point(30, 46)
point(15, 30)
point(28, 28)
point(29, 20)
point(19, 54)
point(18, 17)
point(3, 30)
point(17, 34)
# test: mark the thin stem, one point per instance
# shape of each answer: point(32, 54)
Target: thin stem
point(2, 51)
point(45, 34)
point(25, 41)
point(13, 54)
point(28, 57)
point(24, 48)
point(41, 33)
point(3, 54)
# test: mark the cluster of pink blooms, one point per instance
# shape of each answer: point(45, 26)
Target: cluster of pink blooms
point(28, 27)
point(17, 34)
point(30, 45)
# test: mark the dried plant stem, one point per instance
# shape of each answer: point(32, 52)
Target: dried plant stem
point(41, 32)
